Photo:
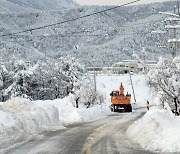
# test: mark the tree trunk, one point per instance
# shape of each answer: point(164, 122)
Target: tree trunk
point(176, 107)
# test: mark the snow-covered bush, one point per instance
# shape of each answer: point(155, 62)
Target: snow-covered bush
point(166, 81)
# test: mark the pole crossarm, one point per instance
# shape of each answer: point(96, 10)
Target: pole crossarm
point(172, 26)
point(169, 14)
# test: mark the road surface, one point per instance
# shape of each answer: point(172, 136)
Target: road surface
point(105, 136)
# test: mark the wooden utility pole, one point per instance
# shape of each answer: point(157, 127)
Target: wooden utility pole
point(173, 20)
point(132, 87)
point(94, 73)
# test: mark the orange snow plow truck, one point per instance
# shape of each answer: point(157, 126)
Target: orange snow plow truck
point(120, 102)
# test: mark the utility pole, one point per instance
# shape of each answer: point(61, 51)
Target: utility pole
point(94, 80)
point(132, 87)
point(94, 70)
point(174, 35)
point(143, 59)
point(173, 19)
point(174, 42)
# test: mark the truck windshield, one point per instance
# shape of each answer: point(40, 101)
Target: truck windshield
point(115, 93)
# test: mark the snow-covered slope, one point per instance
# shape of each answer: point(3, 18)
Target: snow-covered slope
point(6, 6)
point(32, 5)
point(117, 32)
point(45, 4)
point(110, 36)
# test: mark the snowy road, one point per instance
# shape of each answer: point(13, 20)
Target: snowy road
point(105, 136)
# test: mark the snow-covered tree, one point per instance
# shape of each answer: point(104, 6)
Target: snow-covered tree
point(86, 92)
point(166, 81)
point(71, 71)
point(42, 81)
point(19, 76)
point(3, 79)
point(141, 58)
point(46, 79)
point(56, 78)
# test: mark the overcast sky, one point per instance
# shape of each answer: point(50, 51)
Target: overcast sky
point(114, 2)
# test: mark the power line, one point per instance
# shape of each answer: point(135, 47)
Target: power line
point(89, 35)
point(124, 26)
point(91, 31)
point(84, 16)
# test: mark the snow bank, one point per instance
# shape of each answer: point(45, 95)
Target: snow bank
point(19, 119)
point(6, 119)
point(22, 118)
point(158, 130)
point(68, 114)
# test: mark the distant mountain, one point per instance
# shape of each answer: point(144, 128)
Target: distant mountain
point(105, 38)
point(6, 6)
point(21, 5)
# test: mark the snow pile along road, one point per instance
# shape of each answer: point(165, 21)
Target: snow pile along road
point(158, 130)
point(68, 114)
point(20, 118)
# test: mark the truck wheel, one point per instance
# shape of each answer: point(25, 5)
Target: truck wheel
point(112, 108)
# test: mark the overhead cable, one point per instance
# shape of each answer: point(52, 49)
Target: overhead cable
point(70, 20)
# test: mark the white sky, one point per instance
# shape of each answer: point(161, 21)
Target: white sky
point(114, 2)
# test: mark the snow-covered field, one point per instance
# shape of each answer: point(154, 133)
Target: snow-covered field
point(21, 119)
point(142, 92)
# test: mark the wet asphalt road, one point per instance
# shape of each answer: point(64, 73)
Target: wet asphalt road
point(105, 136)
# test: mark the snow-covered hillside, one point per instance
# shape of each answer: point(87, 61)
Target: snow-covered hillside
point(109, 37)
point(45, 4)
point(29, 5)
point(6, 6)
